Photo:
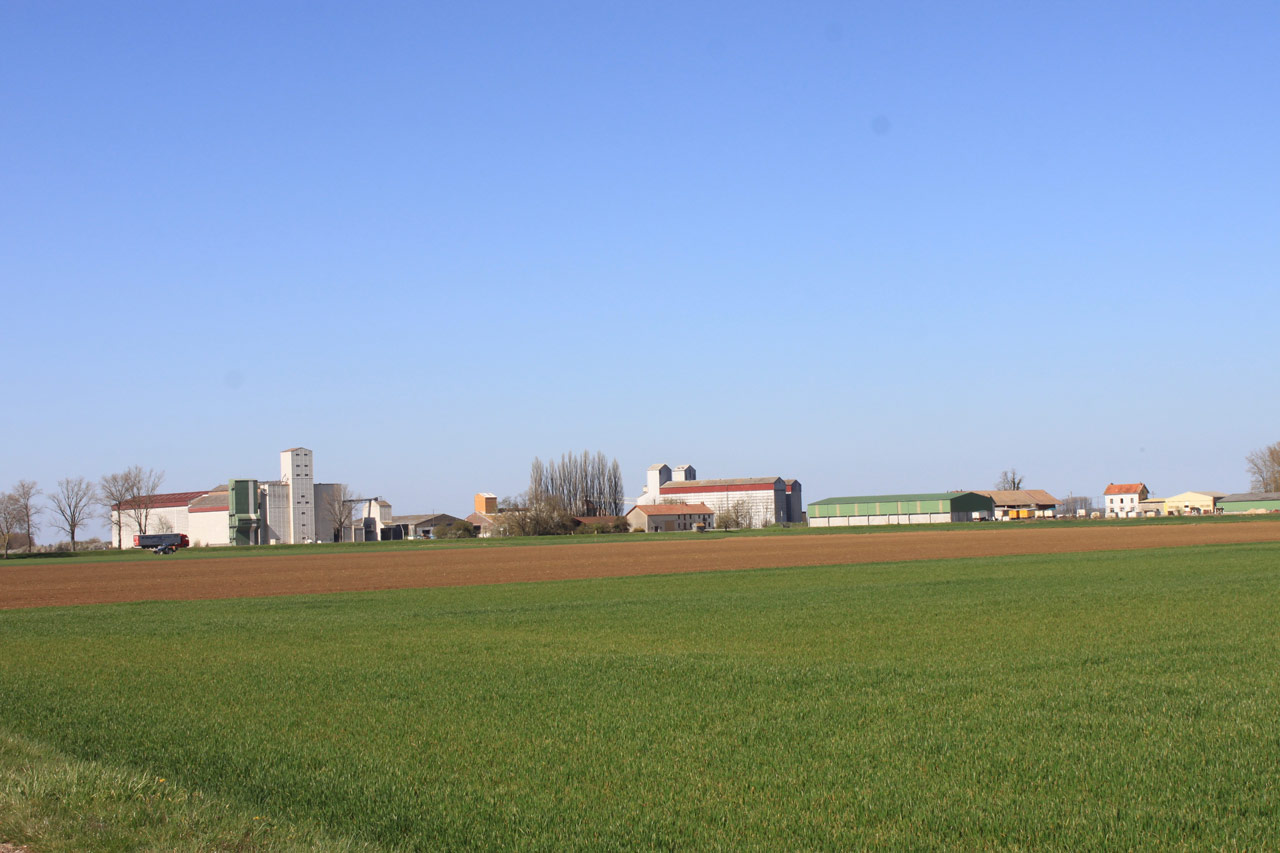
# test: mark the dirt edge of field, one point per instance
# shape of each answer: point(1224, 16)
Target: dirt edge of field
point(31, 585)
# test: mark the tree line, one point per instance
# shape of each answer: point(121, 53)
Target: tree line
point(576, 486)
point(75, 503)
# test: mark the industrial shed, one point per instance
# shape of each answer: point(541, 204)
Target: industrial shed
point(901, 509)
point(1193, 503)
point(1250, 502)
point(1022, 503)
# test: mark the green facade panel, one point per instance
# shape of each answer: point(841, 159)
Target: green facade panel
point(1245, 506)
point(938, 502)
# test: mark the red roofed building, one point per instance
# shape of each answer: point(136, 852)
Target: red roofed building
point(766, 500)
point(669, 518)
point(166, 513)
point(1122, 499)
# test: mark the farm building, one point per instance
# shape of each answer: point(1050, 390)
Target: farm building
point(1151, 506)
point(1250, 502)
point(1022, 503)
point(162, 513)
point(291, 510)
point(659, 518)
point(767, 500)
point(421, 526)
point(1193, 503)
point(901, 509)
point(1122, 499)
point(485, 517)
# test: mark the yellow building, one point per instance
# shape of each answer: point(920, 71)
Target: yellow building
point(1193, 503)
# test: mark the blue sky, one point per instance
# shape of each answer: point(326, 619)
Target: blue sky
point(878, 247)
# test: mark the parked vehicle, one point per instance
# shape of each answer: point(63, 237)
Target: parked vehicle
point(162, 543)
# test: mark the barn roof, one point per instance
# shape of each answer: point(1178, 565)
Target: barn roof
point(165, 501)
point(710, 484)
point(1124, 488)
point(1020, 497)
point(673, 509)
point(882, 499)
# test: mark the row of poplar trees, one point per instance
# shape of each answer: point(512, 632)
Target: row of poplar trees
point(583, 485)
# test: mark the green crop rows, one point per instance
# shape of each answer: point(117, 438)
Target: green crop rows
point(1084, 701)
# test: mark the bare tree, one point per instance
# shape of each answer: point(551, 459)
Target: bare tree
point(10, 518)
point(583, 485)
point(25, 493)
point(73, 503)
point(130, 493)
point(735, 515)
point(340, 505)
point(146, 484)
point(526, 515)
point(1263, 467)
point(1010, 481)
point(114, 490)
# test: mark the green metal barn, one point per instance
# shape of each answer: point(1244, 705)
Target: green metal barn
point(1250, 502)
point(929, 508)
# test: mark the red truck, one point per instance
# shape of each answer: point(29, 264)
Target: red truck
point(161, 543)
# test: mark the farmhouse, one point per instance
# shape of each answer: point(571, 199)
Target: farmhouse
point(767, 500)
point(658, 518)
point(1193, 503)
point(901, 509)
point(1122, 499)
point(1022, 503)
point(1250, 502)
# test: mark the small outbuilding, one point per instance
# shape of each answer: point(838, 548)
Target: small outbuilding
point(422, 526)
point(1022, 503)
point(931, 508)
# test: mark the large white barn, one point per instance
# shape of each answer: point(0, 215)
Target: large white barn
point(768, 500)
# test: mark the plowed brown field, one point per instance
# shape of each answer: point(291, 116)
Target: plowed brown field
point(28, 584)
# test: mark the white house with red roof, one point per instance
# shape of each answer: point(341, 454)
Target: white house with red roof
point(1122, 499)
point(768, 500)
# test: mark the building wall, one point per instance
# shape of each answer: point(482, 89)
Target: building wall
point(1188, 503)
point(276, 518)
point(1123, 506)
point(638, 520)
point(209, 528)
point(905, 518)
point(765, 504)
point(177, 518)
point(1247, 506)
point(296, 472)
point(325, 494)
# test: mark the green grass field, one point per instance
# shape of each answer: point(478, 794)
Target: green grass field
point(1123, 700)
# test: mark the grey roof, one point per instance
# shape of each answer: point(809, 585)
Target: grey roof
point(736, 481)
point(1251, 496)
point(418, 519)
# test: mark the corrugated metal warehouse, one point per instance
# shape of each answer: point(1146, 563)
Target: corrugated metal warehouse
point(930, 508)
point(1251, 502)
